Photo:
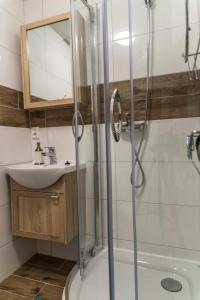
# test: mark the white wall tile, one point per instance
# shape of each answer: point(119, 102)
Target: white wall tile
point(69, 251)
point(123, 149)
point(121, 58)
point(164, 16)
point(165, 60)
point(15, 146)
point(123, 181)
point(5, 225)
point(62, 138)
point(173, 14)
point(100, 25)
point(101, 63)
point(103, 177)
point(14, 7)
point(86, 145)
point(156, 249)
point(160, 224)
point(105, 242)
point(166, 225)
point(178, 183)
point(10, 63)
point(4, 191)
point(33, 10)
point(124, 220)
point(9, 31)
point(185, 126)
point(165, 201)
point(160, 144)
point(52, 8)
point(44, 247)
point(164, 250)
point(90, 217)
point(149, 192)
point(105, 229)
point(89, 180)
point(103, 145)
point(14, 254)
point(119, 18)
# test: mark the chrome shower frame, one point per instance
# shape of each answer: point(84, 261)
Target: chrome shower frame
point(84, 254)
point(193, 72)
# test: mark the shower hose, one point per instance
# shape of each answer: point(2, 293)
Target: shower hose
point(145, 124)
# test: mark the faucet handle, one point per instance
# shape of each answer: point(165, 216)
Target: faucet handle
point(190, 145)
point(52, 154)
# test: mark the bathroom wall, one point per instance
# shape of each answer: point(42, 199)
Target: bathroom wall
point(15, 146)
point(171, 193)
point(168, 207)
point(168, 28)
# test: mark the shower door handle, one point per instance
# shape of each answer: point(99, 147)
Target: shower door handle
point(116, 128)
point(79, 117)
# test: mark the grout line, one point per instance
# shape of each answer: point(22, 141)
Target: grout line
point(42, 288)
point(35, 280)
point(10, 293)
point(165, 246)
point(12, 107)
point(155, 31)
point(159, 203)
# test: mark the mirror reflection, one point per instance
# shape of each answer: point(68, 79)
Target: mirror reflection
point(50, 62)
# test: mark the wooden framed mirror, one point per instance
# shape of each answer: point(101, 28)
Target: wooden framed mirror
point(47, 63)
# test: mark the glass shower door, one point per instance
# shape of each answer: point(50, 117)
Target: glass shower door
point(120, 157)
point(85, 127)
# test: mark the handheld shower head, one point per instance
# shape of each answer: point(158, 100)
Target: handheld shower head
point(148, 3)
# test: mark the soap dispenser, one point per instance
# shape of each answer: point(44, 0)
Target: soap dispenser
point(38, 155)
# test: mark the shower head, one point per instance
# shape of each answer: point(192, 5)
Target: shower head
point(148, 3)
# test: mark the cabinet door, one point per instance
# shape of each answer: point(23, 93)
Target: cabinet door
point(39, 215)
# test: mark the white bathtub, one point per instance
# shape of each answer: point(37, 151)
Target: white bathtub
point(151, 270)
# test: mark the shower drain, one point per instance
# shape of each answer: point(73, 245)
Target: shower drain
point(171, 285)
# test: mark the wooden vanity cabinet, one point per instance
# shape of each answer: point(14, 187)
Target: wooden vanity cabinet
point(48, 214)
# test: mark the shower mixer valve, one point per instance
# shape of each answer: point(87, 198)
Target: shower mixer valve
point(192, 142)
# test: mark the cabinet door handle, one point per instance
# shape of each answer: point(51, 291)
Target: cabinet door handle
point(54, 196)
point(55, 199)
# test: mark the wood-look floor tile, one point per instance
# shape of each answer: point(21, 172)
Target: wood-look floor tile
point(68, 266)
point(50, 292)
point(21, 286)
point(55, 277)
point(9, 296)
point(46, 262)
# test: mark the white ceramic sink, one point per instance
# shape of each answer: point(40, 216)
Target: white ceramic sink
point(39, 177)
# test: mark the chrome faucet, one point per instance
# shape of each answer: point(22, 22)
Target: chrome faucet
point(52, 155)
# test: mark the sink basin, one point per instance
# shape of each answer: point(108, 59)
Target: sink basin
point(38, 177)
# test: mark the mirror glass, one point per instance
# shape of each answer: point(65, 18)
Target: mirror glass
point(50, 62)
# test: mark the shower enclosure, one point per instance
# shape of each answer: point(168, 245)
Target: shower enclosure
point(142, 102)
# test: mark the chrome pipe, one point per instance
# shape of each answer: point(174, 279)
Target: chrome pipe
point(133, 148)
point(108, 151)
